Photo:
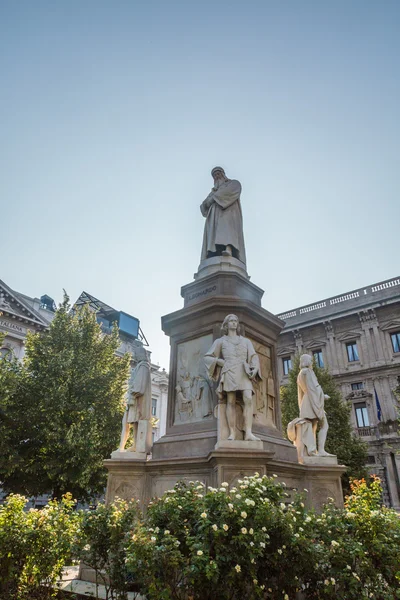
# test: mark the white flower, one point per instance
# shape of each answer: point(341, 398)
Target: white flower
point(255, 581)
point(224, 484)
point(157, 529)
point(251, 531)
point(308, 519)
point(285, 597)
point(238, 568)
point(348, 567)
point(274, 475)
point(262, 544)
point(203, 515)
point(279, 551)
point(305, 490)
point(199, 495)
point(243, 514)
point(212, 490)
point(282, 505)
point(356, 576)
point(296, 535)
point(199, 552)
point(244, 530)
point(333, 580)
point(215, 527)
point(166, 532)
point(264, 528)
point(230, 506)
point(199, 487)
point(252, 561)
point(222, 489)
point(326, 582)
point(251, 543)
point(179, 506)
point(238, 496)
point(225, 527)
point(153, 539)
point(333, 543)
point(240, 480)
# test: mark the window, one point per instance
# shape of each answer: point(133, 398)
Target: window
point(357, 386)
point(395, 341)
point(287, 364)
point(319, 359)
point(361, 414)
point(6, 353)
point(352, 352)
point(154, 406)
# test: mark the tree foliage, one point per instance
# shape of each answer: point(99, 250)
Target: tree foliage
point(61, 410)
point(350, 450)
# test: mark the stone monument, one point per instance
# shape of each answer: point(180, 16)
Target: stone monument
point(223, 413)
point(303, 430)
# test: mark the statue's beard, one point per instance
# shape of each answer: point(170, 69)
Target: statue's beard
point(218, 183)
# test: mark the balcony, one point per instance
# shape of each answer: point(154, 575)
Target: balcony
point(388, 428)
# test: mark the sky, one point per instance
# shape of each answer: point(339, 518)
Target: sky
point(112, 115)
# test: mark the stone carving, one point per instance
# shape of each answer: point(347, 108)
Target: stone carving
point(3, 302)
point(223, 231)
point(302, 431)
point(138, 408)
point(194, 395)
point(233, 361)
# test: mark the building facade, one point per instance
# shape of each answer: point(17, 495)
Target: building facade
point(356, 336)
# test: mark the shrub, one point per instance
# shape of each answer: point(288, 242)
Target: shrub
point(102, 545)
point(251, 542)
point(34, 547)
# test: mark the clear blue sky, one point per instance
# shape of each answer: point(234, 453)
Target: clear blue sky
point(113, 113)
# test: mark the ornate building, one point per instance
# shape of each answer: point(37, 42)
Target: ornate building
point(357, 337)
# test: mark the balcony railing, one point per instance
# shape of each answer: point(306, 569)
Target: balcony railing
point(387, 428)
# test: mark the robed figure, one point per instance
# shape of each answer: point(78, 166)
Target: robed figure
point(223, 230)
point(311, 399)
point(138, 409)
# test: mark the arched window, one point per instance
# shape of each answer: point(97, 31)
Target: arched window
point(5, 353)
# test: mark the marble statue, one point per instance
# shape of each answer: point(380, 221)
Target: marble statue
point(311, 398)
point(233, 361)
point(223, 230)
point(138, 408)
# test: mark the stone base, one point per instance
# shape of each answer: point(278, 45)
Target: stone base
point(320, 460)
point(144, 480)
point(127, 455)
point(241, 445)
point(220, 263)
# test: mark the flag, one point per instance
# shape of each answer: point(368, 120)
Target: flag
point(378, 405)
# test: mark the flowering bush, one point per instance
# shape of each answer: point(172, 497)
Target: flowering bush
point(232, 544)
point(103, 541)
point(357, 549)
point(251, 542)
point(34, 546)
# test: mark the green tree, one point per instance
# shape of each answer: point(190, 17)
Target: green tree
point(350, 450)
point(61, 415)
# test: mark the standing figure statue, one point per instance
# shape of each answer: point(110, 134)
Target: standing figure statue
point(311, 398)
point(223, 230)
point(138, 408)
point(233, 360)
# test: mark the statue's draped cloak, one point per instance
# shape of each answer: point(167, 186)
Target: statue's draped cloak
point(224, 220)
point(139, 403)
point(239, 357)
point(310, 395)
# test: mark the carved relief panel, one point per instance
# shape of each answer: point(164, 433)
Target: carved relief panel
point(194, 397)
point(264, 398)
